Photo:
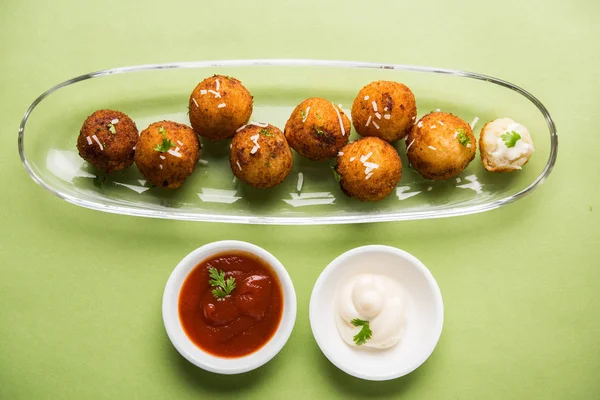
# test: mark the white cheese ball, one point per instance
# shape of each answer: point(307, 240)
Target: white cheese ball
point(496, 156)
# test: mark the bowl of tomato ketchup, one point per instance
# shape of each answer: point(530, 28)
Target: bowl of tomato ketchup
point(229, 307)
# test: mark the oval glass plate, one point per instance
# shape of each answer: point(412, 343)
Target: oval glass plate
point(149, 93)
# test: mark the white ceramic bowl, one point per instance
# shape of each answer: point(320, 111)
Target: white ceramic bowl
point(207, 361)
point(424, 313)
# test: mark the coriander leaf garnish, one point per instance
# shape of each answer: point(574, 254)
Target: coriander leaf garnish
point(336, 174)
point(265, 132)
point(222, 287)
point(319, 131)
point(303, 114)
point(365, 332)
point(462, 137)
point(166, 144)
point(510, 138)
point(112, 128)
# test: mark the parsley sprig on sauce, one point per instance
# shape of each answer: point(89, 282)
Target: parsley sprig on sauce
point(166, 144)
point(222, 287)
point(365, 332)
point(510, 138)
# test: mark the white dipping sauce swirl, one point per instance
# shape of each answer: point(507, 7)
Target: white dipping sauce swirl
point(374, 298)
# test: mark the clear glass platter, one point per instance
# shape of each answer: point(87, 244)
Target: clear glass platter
point(148, 93)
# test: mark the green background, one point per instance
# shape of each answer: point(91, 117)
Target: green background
point(80, 291)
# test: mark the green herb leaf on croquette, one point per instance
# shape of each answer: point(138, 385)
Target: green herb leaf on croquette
point(166, 144)
point(303, 114)
point(265, 132)
point(462, 137)
point(319, 131)
point(112, 128)
point(510, 138)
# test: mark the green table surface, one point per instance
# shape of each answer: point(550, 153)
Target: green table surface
point(80, 290)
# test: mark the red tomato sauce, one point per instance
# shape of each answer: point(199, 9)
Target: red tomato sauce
point(240, 323)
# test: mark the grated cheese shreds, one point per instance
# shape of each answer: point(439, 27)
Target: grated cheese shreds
point(114, 121)
point(300, 181)
point(217, 84)
point(474, 122)
point(261, 124)
point(429, 188)
point(368, 121)
point(179, 142)
point(420, 124)
point(366, 157)
point(438, 110)
point(340, 153)
point(175, 152)
point(97, 141)
point(217, 94)
point(441, 123)
point(432, 126)
point(221, 105)
point(162, 157)
point(203, 91)
point(254, 149)
point(369, 175)
point(160, 166)
point(375, 125)
point(366, 98)
point(239, 129)
point(432, 148)
point(387, 116)
point(306, 114)
point(238, 165)
point(203, 162)
point(339, 119)
point(254, 138)
point(411, 143)
point(89, 139)
point(378, 115)
point(352, 158)
point(374, 104)
point(195, 102)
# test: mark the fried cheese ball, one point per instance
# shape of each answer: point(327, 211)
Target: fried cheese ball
point(107, 140)
point(440, 146)
point(260, 156)
point(505, 145)
point(218, 106)
point(317, 129)
point(384, 109)
point(167, 153)
point(369, 169)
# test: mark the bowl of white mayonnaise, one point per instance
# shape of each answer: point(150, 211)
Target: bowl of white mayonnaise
point(376, 312)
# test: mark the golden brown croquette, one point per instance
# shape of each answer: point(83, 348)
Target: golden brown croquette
point(317, 129)
point(167, 153)
point(260, 156)
point(369, 169)
point(440, 146)
point(107, 140)
point(384, 109)
point(218, 106)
